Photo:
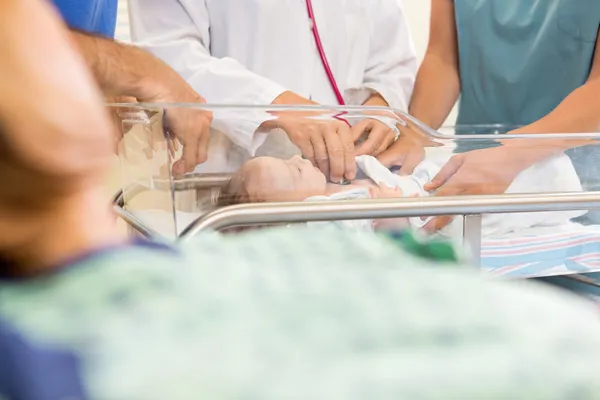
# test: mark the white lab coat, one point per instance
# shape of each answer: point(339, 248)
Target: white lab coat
point(251, 51)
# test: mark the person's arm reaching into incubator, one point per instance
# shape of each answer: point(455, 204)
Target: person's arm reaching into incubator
point(579, 112)
point(388, 78)
point(389, 75)
point(438, 81)
point(491, 171)
point(437, 86)
point(184, 30)
point(127, 71)
point(169, 28)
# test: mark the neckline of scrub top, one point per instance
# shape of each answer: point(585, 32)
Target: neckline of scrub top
point(6, 266)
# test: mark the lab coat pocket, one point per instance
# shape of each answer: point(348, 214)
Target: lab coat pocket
point(580, 19)
point(357, 49)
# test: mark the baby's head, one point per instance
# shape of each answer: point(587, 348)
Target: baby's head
point(267, 179)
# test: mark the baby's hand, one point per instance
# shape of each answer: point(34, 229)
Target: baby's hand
point(385, 192)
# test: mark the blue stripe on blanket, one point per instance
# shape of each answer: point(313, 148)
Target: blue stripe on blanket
point(528, 260)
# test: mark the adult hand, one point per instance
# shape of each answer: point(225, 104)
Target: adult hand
point(478, 172)
point(327, 144)
point(377, 137)
point(124, 70)
point(188, 126)
point(406, 152)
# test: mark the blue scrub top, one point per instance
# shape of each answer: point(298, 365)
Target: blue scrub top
point(94, 16)
point(519, 59)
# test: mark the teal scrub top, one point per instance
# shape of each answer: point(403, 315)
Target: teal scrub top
point(520, 58)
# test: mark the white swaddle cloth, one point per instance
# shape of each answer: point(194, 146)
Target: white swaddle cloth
point(556, 174)
point(411, 186)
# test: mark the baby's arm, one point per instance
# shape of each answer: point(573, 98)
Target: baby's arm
point(388, 224)
point(385, 192)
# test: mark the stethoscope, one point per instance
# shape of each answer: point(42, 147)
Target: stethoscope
point(324, 61)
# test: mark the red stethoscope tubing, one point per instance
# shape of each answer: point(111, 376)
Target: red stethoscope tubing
point(315, 31)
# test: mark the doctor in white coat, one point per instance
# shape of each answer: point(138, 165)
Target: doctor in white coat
point(264, 52)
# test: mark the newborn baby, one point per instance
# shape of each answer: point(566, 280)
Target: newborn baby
point(267, 179)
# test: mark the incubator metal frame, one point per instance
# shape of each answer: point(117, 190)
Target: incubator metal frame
point(470, 207)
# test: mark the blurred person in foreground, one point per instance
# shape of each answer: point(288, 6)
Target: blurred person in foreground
point(276, 314)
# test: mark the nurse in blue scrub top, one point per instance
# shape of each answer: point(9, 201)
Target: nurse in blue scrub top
point(93, 16)
point(531, 64)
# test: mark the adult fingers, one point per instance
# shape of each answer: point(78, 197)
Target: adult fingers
point(440, 222)
point(414, 156)
point(395, 154)
point(360, 128)
point(348, 146)
point(376, 137)
point(320, 150)
point(304, 143)
point(203, 142)
point(194, 131)
point(335, 151)
point(437, 223)
point(447, 171)
point(450, 189)
point(178, 168)
point(387, 141)
point(171, 147)
point(190, 152)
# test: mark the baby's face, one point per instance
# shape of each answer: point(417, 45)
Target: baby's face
point(273, 179)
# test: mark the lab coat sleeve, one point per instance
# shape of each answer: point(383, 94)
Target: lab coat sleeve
point(392, 65)
point(178, 32)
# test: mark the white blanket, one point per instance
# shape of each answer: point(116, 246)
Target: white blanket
point(553, 175)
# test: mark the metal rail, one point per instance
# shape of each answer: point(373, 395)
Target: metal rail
point(272, 213)
point(192, 182)
point(135, 223)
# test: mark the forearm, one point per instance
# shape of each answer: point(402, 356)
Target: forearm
point(436, 90)
point(578, 113)
point(376, 100)
point(288, 97)
point(123, 70)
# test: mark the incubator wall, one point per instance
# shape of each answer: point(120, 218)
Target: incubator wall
point(255, 177)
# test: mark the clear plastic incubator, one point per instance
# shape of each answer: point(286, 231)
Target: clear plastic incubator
point(521, 205)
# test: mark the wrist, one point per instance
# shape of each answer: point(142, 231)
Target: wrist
point(376, 100)
point(291, 98)
point(523, 154)
point(149, 79)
